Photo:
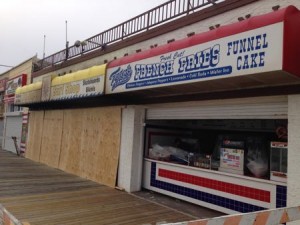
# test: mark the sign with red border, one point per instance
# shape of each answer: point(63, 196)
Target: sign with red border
point(14, 83)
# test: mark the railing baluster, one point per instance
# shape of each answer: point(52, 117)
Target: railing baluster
point(112, 36)
point(132, 27)
point(148, 20)
point(153, 17)
point(173, 8)
point(139, 23)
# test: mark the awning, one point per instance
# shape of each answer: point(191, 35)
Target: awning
point(80, 84)
point(262, 51)
point(30, 93)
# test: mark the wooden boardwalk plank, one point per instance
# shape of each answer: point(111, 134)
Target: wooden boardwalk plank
point(39, 194)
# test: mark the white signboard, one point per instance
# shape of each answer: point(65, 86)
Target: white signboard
point(78, 89)
point(13, 84)
point(232, 158)
point(250, 52)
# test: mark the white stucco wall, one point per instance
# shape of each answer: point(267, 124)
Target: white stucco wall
point(131, 150)
point(293, 188)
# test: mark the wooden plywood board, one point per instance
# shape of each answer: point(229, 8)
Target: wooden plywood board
point(101, 144)
point(35, 130)
point(91, 143)
point(71, 141)
point(51, 138)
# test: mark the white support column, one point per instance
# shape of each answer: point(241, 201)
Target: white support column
point(293, 187)
point(131, 150)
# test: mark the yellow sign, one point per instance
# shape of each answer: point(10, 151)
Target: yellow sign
point(80, 84)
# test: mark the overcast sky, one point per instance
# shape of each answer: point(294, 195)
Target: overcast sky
point(23, 24)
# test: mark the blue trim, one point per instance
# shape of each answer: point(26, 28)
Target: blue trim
point(221, 71)
point(202, 196)
point(281, 196)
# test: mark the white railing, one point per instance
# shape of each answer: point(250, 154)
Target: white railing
point(266, 217)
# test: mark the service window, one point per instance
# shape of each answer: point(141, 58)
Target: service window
point(234, 146)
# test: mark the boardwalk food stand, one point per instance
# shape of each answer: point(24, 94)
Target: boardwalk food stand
point(197, 119)
point(217, 153)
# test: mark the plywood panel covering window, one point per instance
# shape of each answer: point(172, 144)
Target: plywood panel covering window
point(71, 144)
point(51, 138)
point(85, 142)
point(35, 132)
point(90, 144)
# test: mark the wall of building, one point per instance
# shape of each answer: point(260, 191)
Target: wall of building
point(3, 77)
point(293, 190)
point(1, 129)
point(13, 120)
point(23, 68)
point(254, 9)
point(131, 149)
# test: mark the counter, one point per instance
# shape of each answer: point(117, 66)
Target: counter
point(224, 192)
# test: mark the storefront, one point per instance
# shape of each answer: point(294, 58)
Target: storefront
point(228, 155)
point(224, 114)
point(67, 134)
point(2, 92)
point(225, 153)
point(13, 116)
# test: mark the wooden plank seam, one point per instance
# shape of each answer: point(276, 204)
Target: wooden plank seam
point(266, 217)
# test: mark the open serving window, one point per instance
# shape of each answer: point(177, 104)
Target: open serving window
point(243, 147)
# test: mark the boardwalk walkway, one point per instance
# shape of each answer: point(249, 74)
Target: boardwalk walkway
point(38, 194)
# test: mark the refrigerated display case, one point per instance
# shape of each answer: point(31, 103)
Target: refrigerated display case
point(278, 161)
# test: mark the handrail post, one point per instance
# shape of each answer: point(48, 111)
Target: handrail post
point(67, 50)
point(190, 6)
point(148, 20)
point(101, 39)
point(123, 32)
point(154, 18)
point(41, 65)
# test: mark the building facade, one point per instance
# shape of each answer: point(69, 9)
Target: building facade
point(3, 81)
point(211, 119)
point(18, 76)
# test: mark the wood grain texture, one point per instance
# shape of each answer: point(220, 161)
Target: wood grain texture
point(84, 142)
point(35, 131)
point(71, 141)
point(91, 143)
point(39, 194)
point(51, 138)
point(100, 144)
